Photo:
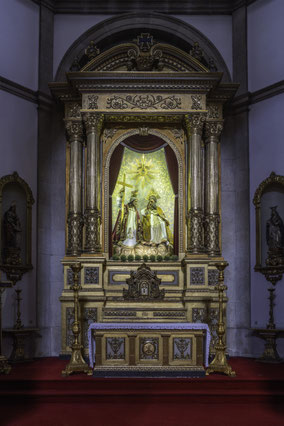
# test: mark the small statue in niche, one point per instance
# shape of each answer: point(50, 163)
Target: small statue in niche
point(155, 225)
point(12, 236)
point(127, 230)
point(275, 238)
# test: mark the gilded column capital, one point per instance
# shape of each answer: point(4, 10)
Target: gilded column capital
point(194, 123)
point(93, 122)
point(213, 129)
point(74, 130)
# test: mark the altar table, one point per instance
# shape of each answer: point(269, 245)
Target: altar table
point(149, 344)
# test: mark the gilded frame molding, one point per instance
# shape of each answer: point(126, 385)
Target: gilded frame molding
point(181, 180)
point(272, 179)
point(15, 178)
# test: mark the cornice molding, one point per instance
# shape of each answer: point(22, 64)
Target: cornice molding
point(267, 92)
point(184, 7)
point(242, 103)
point(18, 90)
point(36, 97)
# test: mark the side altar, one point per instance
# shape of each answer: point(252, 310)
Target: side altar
point(143, 124)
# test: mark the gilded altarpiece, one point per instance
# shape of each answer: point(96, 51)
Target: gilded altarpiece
point(109, 102)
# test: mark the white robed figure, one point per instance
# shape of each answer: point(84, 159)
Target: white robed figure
point(127, 230)
point(155, 226)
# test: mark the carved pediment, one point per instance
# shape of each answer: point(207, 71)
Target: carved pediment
point(143, 285)
point(143, 54)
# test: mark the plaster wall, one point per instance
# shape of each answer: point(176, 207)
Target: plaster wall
point(19, 153)
point(218, 29)
point(67, 28)
point(266, 128)
point(51, 229)
point(265, 35)
point(19, 42)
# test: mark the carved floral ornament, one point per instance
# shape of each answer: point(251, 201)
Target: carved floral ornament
point(73, 110)
point(144, 102)
point(93, 122)
point(213, 128)
point(74, 130)
point(194, 123)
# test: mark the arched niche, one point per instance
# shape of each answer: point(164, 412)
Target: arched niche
point(16, 200)
point(123, 28)
point(269, 193)
point(179, 241)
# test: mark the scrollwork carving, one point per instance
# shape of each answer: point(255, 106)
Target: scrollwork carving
point(144, 102)
point(143, 285)
point(108, 134)
point(213, 128)
point(178, 134)
point(195, 235)
point(92, 224)
point(213, 112)
point(143, 118)
point(211, 234)
point(75, 227)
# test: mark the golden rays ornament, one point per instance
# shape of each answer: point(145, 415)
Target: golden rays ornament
point(142, 171)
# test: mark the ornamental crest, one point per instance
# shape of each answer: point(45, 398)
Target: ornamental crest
point(143, 285)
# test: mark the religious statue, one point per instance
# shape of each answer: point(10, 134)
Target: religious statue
point(12, 236)
point(127, 230)
point(275, 238)
point(155, 226)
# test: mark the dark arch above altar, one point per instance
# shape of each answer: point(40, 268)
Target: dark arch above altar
point(125, 28)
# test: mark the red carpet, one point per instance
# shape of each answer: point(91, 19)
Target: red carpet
point(36, 394)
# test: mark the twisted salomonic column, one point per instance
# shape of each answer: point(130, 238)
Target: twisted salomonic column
point(93, 124)
point(194, 124)
point(212, 217)
point(75, 217)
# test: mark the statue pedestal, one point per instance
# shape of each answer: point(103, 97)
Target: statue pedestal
point(20, 336)
point(270, 353)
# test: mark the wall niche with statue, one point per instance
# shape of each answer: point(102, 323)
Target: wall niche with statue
point(16, 200)
point(269, 210)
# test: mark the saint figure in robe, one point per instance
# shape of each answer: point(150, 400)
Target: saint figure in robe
point(127, 230)
point(155, 225)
